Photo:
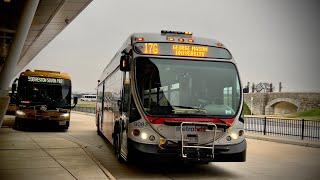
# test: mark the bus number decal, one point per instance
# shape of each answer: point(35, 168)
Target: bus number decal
point(140, 124)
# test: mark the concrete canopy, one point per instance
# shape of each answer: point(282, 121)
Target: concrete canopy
point(51, 17)
point(26, 27)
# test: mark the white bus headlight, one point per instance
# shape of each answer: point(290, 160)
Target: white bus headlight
point(65, 115)
point(20, 113)
point(234, 135)
point(144, 135)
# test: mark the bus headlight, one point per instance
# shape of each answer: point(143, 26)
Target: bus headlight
point(20, 113)
point(234, 135)
point(144, 135)
point(65, 115)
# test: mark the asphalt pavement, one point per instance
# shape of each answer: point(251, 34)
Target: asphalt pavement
point(265, 159)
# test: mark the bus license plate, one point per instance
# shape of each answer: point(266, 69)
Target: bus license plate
point(61, 123)
point(192, 138)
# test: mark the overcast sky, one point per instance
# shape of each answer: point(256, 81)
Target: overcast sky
point(272, 41)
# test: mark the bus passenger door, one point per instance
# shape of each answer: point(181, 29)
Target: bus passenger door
point(100, 106)
point(112, 97)
point(124, 110)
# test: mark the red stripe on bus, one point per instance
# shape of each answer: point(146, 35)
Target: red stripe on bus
point(161, 120)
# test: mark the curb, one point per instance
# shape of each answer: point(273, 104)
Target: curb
point(284, 141)
point(83, 113)
point(105, 171)
point(84, 148)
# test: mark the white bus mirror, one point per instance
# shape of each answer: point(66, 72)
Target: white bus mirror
point(245, 90)
point(75, 100)
point(14, 88)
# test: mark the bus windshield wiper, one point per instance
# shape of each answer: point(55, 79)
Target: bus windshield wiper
point(188, 108)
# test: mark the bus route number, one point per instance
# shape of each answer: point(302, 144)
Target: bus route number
point(151, 48)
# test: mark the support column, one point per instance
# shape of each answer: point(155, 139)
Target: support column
point(11, 61)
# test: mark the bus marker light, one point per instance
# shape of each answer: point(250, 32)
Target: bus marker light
point(241, 132)
point(228, 138)
point(219, 44)
point(144, 135)
point(140, 39)
point(152, 138)
point(170, 39)
point(181, 40)
point(136, 132)
point(190, 40)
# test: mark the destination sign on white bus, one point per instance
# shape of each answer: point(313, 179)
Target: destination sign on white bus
point(45, 80)
point(186, 50)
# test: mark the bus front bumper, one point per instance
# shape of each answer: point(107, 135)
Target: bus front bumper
point(31, 122)
point(222, 153)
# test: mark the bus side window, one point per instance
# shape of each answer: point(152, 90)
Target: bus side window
point(134, 113)
point(126, 93)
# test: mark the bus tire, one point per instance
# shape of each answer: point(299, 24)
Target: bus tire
point(131, 156)
point(98, 127)
point(65, 128)
point(98, 131)
point(17, 124)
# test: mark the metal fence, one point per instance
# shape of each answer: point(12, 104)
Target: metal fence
point(85, 109)
point(300, 128)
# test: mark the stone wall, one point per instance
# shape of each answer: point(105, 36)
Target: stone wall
point(263, 103)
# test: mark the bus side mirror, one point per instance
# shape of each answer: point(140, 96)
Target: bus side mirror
point(14, 87)
point(124, 63)
point(75, 101)
point(246, 90)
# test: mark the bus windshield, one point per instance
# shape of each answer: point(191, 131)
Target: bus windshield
point(38, 93)
point(181, 87)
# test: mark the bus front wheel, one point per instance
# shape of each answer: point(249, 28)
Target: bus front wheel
point(117, 142)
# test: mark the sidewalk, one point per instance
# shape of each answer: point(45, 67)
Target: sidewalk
point(283, 139)
point(27, 155)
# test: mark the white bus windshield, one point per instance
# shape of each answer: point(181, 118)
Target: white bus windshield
point(187, 87)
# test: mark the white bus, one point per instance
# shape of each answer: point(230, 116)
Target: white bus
point(88, 97)
point(169, 96)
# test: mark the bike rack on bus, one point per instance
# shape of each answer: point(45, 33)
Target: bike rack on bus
point(197, 146)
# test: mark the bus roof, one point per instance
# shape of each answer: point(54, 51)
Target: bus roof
point(164, 37)
point(157, 37)
point(45, 73)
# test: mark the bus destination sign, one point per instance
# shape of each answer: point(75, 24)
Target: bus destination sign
point(44, 80)
point(185, 50)
point(189, 50)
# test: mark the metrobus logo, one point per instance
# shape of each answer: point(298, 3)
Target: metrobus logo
point(191, 128)
point(45, 80)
